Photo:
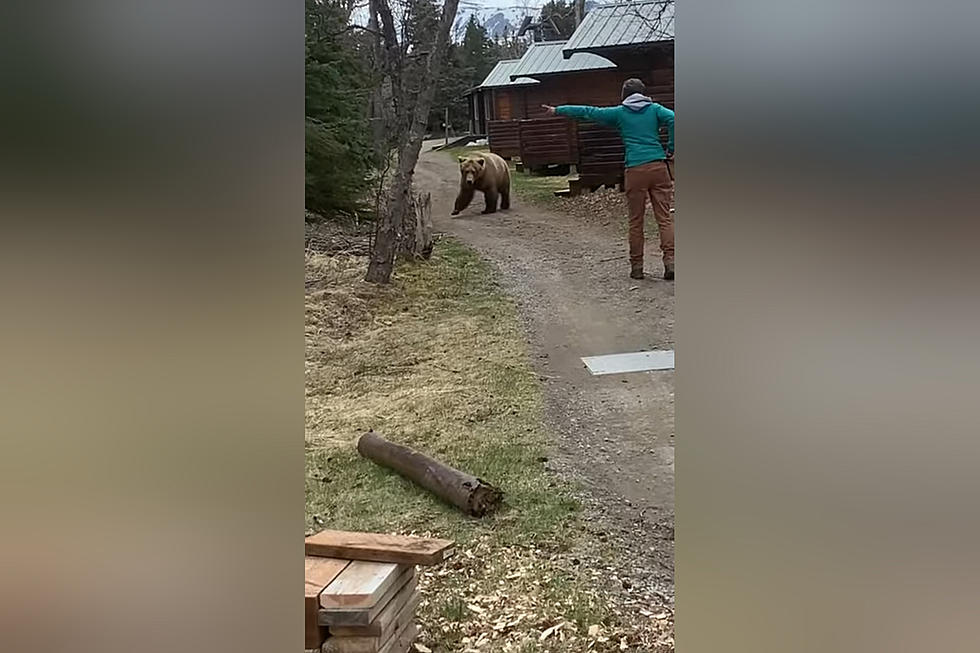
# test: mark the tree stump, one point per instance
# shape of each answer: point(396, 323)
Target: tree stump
point(416, 233)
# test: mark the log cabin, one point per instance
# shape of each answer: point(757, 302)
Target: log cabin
point(639, 38)
point(580, 79)
point(492, 101)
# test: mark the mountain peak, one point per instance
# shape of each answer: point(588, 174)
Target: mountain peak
point(499, 17)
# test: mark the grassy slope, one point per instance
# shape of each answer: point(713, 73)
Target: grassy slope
point(437, 361)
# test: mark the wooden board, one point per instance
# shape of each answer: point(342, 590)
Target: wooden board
point(320, 572)
point(376, 547)
point(402, 642)
point(548, 141)
point(360, 584)
point(390, 619)
point(370, 644)
point(601, 155)
point(347, 616)
point(503, 138)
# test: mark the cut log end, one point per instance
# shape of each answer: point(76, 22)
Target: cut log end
point(484, 499)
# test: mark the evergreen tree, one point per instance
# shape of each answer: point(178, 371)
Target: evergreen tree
point(450, 92)
point(339, 156)
point(475, 51)
point(468, 65)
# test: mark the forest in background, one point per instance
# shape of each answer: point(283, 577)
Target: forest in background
point(342, 155)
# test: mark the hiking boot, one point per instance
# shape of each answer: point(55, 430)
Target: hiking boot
point(669, 271)
point(636, 271)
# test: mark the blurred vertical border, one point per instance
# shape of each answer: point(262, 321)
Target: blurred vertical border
point(152, 330)
point(827, 303)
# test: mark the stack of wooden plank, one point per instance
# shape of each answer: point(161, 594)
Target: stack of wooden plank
point(362, 590)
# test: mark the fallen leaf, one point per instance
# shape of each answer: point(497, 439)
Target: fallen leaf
point(422, 648)
point(549, 632)
point(593, 630)
point(475, 608)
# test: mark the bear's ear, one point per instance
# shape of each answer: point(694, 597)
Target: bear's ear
point(481, 161)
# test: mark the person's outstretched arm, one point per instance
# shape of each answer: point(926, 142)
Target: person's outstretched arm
point(666, 117)
point(608, 116)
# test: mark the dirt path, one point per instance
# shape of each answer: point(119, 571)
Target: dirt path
point(615, 433)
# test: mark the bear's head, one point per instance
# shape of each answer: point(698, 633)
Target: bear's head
point(471, 168)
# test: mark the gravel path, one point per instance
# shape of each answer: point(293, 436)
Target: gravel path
point(614, 433)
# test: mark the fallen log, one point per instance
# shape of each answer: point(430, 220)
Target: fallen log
point(468, 493)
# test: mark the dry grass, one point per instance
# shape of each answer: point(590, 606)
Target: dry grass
point(437, 361)
point(540, 189)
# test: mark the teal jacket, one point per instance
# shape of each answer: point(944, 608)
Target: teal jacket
point(638, 120)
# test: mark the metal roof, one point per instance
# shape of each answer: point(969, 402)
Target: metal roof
point(545, 58)
point(626, 23)
point(500, 75)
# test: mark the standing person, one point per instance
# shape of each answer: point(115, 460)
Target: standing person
point(638, 120)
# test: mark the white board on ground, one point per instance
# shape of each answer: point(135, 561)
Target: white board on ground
point(640, 361)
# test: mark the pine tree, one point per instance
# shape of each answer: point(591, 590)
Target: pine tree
point(468, 65)
point(475, 51)
point(339, 156)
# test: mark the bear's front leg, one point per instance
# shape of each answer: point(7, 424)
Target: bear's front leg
point(463, 199)
point(491, 196)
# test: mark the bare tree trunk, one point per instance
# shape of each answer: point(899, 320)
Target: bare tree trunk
point(377, 98)
point(386, 244)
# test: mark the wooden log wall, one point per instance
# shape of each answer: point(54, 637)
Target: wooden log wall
point(548, 141)
point(601, 154)
point(503, 137)
point(505, 101)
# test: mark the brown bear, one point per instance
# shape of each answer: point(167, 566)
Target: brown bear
point(485, 172)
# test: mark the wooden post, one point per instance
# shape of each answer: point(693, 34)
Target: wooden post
point(447, 125)
point(468, 493)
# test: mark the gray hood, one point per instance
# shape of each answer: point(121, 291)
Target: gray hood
point(637, 102)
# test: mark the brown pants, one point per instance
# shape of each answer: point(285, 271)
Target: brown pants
point(650, 180)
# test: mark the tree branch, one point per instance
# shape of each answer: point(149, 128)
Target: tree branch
point(353, 27)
